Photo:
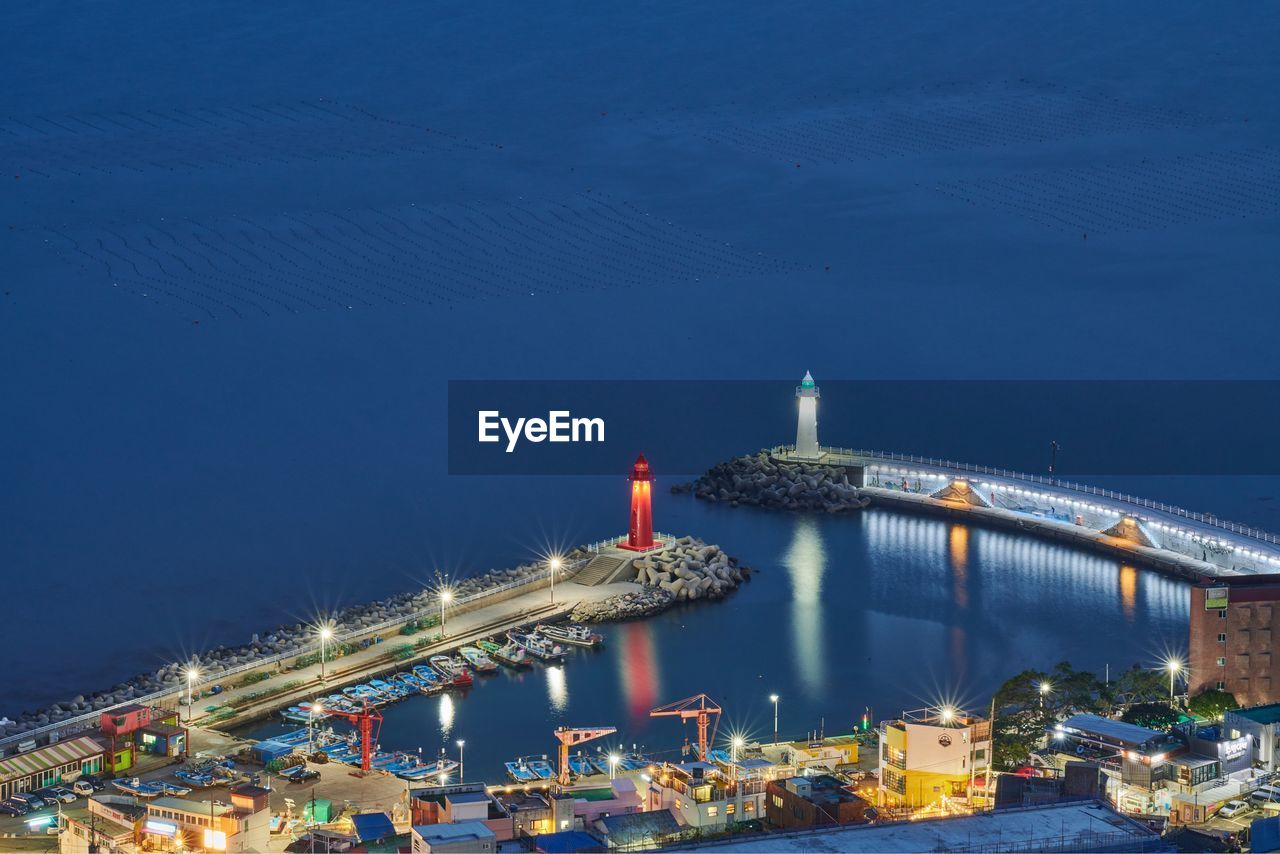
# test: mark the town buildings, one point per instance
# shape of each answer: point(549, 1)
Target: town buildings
point(813, 802)
point(1233, 621)
point(703, 795)
point(930, 759)
point(1261, 726)
point(50, 765)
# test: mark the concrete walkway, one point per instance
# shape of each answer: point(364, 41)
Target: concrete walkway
point(475, 624)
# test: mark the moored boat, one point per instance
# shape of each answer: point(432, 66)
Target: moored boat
point(134, 786)
point(570, 633)
point(538, 647)
point(510, 655)
point(520, 772)
point(542, 769)
point(450, 671)
point(429, 677)
point(580, 765)
point(478, 660)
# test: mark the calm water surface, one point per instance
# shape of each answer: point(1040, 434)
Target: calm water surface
point(881, 610)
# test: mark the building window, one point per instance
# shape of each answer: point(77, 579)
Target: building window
point(749, 806)
point(712, 812)
point(1222, 686)
point(1222, 637)
point(1222, 662)
point(728, 808)
point(1222, 615)
point(777, 801)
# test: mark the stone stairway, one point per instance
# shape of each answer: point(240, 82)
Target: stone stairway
point(599, 570)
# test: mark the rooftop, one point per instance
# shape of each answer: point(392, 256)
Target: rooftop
point(458, 831)
point(197, 807)
point(1111, 729)
point(1077, 826)
point(1268, 714)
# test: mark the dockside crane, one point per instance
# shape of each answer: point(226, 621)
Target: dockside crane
point(572, 737)
point(699, 707)
point(363, 721)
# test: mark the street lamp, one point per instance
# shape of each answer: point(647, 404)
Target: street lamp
point(325, 634)
point(773, 698)
point(554, 565)
point(1175, 667)
point(446, 596)
point(461, 767)
point(947, 714)
point(613, 764)
point(1045, 688)
point(192, 675)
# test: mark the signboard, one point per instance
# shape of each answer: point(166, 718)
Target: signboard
point(161, 828)
point(1215, 599)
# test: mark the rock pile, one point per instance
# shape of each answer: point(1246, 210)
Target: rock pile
point(624, 606)
point(291, 639)
point(691, 569)
point(760, 481)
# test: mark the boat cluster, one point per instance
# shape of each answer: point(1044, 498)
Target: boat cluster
point(200, 774)
point(528, 769)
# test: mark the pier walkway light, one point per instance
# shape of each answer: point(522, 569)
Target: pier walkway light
point(553, 565)
point(461, 767)
point(773, 698)
point(193, 674)
point(613, 765)
point(325, 632)
point(446, 596)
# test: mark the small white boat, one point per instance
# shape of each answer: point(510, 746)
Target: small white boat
point(538, 647)
point(570, 633)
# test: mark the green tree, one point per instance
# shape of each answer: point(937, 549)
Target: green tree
point(1140, 684)
point(1212, 704)
point(1159, 716)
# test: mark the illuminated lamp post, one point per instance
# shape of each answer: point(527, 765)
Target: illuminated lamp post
point(773, 698)
point(1175, 667)
point(446, 596)
point(737, 745)
point(461, 767)
point(553, 565)
point(192, 675)
point(325, 634)
point(613, 765)
point(1045, 688)
point(640, 533)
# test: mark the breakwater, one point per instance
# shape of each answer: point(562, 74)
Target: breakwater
point(688, 569)
point(282, 646)
point(762, 481)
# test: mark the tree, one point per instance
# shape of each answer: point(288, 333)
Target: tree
point(1160, 716)
point(1140, 684)
point(1212, 704)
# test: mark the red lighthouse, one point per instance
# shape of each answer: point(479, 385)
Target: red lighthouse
point(640, 536)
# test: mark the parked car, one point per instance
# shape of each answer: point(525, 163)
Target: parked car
point(63, 794)
point(33, 801)
point(83, 787)
point(1232, 809)
point(50, 797)
point(97, 783)
point(14, 806)
point(304, 775)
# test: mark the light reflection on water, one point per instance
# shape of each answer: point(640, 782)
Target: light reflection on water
point(557, 688)
point(806, 563)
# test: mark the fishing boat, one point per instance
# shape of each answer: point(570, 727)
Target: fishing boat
point(199, 779)
point(428, 677)
point(394, 690)
point(510, 655)
point(634, 761)
point(570, 633)
point(520, 772)
point(538, 647)
point(431, 769)
point(137, 788)
point(479, 661)
point(167, 788)
point(720, 757)
point(581, 765)
point(601, 763)
point(451, 672)
point(542, 769)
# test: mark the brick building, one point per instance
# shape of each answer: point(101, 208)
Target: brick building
point(1233, 620)
point(813, 802)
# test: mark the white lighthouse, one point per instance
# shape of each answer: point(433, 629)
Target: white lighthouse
point(807, 419)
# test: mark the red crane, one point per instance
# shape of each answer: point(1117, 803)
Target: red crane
point(699, 706)
point(363, 721)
